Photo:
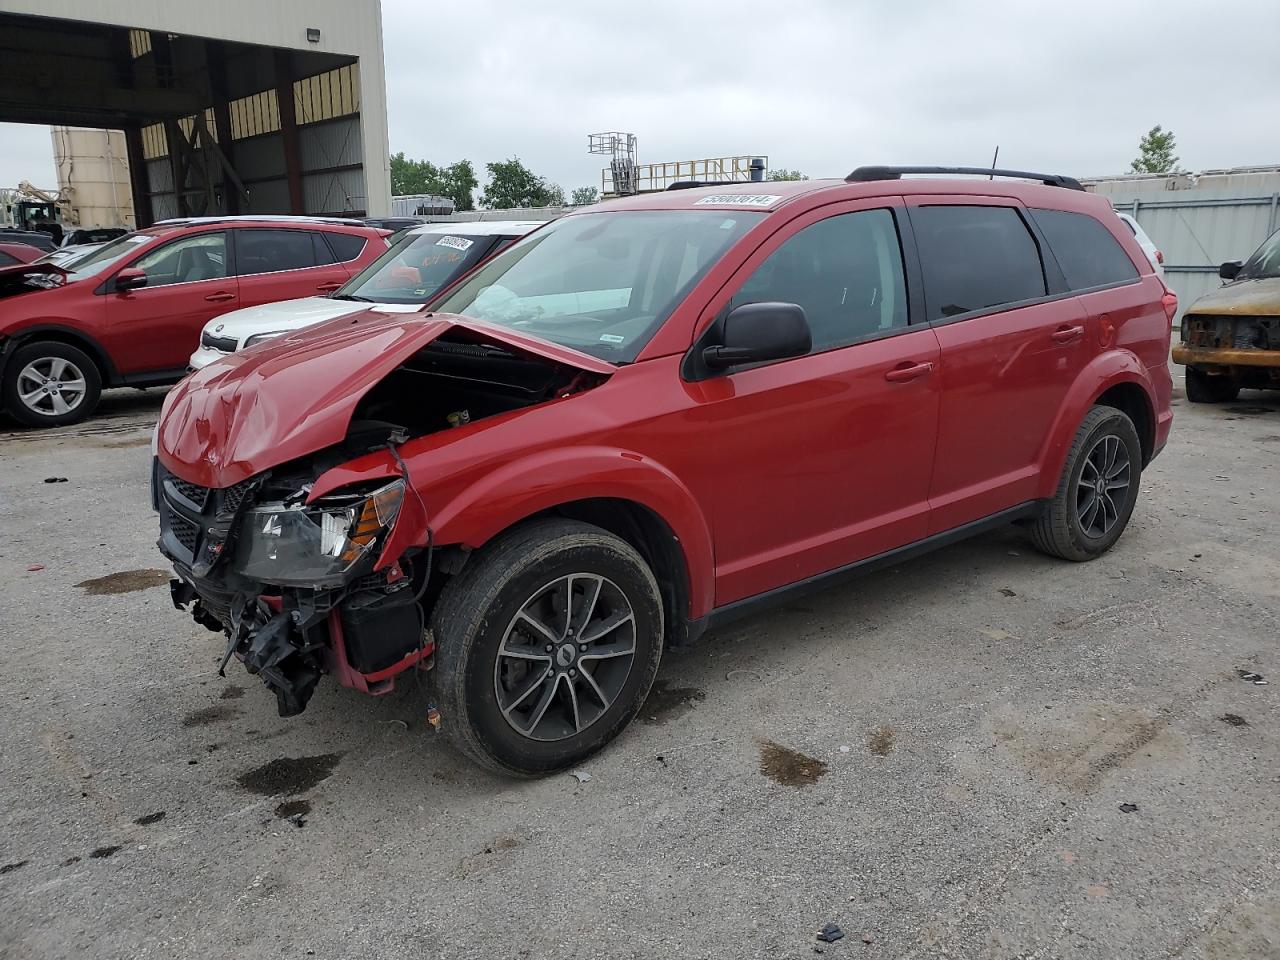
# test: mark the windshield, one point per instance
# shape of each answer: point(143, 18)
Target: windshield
point(1265, 261)
point(416, 267)
point(104, 257)
point(601, 283)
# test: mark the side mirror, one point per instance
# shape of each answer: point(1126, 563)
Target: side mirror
point(130, 278)
point(1229, 269)
point(760, 331)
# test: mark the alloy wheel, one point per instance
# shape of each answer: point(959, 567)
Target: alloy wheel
point(1103, 486)
point(51, 386)
point(565, 657)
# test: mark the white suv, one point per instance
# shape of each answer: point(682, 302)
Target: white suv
point(421, 262)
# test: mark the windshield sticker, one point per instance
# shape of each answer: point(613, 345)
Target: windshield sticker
point(612, 338)
point(739, 200)
point(458, 243)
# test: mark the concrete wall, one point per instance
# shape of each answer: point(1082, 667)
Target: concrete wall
point(93, 175)
point(347, 27)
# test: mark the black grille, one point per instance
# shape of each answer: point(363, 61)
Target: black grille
point(225, 344)
point(193, 492)
point(185, 531)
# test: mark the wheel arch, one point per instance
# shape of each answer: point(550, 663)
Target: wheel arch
point(1115, 379)
point(57, 333)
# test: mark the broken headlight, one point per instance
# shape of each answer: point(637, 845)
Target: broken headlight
point(316, 545)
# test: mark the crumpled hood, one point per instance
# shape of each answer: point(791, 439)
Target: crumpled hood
point(286, 315)
point(295, 395)
point(1252, 298)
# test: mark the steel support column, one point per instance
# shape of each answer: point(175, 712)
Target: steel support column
point(289, 132)
point(143, 215)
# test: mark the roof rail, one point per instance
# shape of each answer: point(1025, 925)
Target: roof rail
point(868, 174)
point(694, 184)
point(260, 218)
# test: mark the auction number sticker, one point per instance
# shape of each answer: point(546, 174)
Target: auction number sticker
point(458, 243)
point(738, 200)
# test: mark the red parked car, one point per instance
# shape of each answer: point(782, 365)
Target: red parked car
point(12, 254)
point(130, 313)
point(652, 416)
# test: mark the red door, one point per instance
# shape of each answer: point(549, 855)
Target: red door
point(822, 460)
point(155, 328)
point(1009, 353)
point(277, 264)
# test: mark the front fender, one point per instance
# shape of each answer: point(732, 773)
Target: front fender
point(1099, 376)
point(550, 478)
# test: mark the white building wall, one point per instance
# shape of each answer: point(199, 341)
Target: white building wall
point(347, 27)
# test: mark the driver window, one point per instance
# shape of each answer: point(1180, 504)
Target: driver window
point(845, 271)
point(202, 257)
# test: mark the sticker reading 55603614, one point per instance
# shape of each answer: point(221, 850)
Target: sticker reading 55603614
point(738, 200)
point(458, 243)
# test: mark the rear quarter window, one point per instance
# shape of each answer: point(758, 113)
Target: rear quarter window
point(975, 258)
point(1086, 250)
point(346, 246)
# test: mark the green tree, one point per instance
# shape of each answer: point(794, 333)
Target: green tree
point(782, 173)
point(456, 181)
point(1155, 152)
point(512, 184)
point(584, 195)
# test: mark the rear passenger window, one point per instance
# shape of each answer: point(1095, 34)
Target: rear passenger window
point(974, 258)
point(845, 271)
point(320, 247)
point(346, 246)
point(1086, 251)
point(270, 251)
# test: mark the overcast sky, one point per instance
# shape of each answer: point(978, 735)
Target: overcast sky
point(818, 85)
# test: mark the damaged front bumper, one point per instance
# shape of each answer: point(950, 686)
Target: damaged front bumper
point(291, 586)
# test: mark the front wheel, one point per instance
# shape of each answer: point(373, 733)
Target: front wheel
point(547, 644)
point(50, 384)
point(1210, 388)
point(1097, 491)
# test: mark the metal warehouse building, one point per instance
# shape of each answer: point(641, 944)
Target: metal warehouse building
point(238, 106)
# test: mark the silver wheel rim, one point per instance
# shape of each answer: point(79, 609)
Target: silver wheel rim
point(1103, 486)
point(51, 386)
point(565, 657)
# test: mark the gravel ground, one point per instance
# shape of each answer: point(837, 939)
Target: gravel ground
point(982, 753)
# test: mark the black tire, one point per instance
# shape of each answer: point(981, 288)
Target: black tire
point(1060, 529)
point(1207, 388)
point(41, 355)
point(479, 607)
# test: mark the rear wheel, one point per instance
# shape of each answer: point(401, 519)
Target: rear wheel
point(1098, 489)
point(50, 384)
point(547, 644)
point(1210, 388)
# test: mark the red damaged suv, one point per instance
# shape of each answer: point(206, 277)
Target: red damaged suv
point(129, 313)
point(654, 415)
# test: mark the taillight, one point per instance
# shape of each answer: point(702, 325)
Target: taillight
point(1170, 303)
point(1159, 257)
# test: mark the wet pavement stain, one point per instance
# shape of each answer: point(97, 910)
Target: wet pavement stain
point(880, 741)
point(289, 775)
point(10, 867)
point(791, 768)
point(1249, 411)
point(126, 581)
point(150, 818)
point(666, 702)
point(103, 852)
point(1234, 720)
point(1273, 438)
point(208, 715)
point(231, 692)
point(293, 808)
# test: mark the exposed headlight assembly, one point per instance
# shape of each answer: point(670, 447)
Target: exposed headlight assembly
point(319, 545)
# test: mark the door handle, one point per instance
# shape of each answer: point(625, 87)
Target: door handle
point(908, 371)
point(1067, 334)
point(329, 287)
point(220, 297)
